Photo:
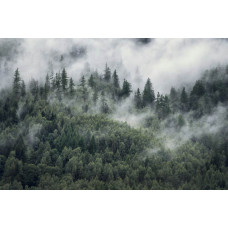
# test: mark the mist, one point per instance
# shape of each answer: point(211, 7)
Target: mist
point(167, 62)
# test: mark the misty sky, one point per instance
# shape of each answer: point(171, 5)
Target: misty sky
point(168, 62)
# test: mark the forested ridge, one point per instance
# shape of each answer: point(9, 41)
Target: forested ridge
point(64, 134)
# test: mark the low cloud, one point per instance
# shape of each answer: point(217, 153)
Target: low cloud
point(168, 62)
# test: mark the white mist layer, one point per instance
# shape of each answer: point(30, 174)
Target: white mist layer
point(168, 62)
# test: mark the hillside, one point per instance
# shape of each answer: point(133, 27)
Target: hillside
point(97, 133)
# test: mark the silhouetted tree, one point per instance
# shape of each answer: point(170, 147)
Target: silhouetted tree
point(138, 99)
point(148, 94)
point(23, 89)
point(126, 89)
point(64, 79)
point(17, 83)
point(71, 87)
point(107, 74)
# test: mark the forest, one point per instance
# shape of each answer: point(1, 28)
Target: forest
point(99, 133)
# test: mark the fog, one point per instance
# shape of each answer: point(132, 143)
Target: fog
point(168, 62)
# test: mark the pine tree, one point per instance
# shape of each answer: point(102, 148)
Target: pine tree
point(126, 89)
point(148, 94)
point(71, 87)
point(92, 145)
point(84, 91)
point(34, 89)
point(23, 89)
point(174, 99)
point(184, 96)
point(198, 89)
point(17, 83)
point(173, 94)
point(47, 85)
point(20, 148)
point(58, 81)
point(138, 99)
point(107, 74)
point(104, 105)
point(115, 79)
point(95, 95)
point(184, 100)
point(64, 79)
point(162, 106)
point(91, 82)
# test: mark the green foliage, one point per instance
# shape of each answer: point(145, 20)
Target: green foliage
point(48, 142)
point(64, 79)
point(148, 94)
point(16, 83)
point(126, 89)
point(107, 74)
point(138, 99)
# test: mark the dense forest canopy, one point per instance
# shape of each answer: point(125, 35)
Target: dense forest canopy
point(100, 133)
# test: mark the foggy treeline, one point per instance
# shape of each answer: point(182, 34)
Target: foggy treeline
point(104, 130)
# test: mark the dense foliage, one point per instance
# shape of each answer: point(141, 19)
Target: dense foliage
point(59, 134)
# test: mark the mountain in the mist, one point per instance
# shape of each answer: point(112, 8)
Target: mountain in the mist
point(59, 133)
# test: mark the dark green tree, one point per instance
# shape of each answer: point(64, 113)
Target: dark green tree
point(162, 106)
point(17, 83)
point(71, 87)
point(92, 145)
point(20, 148)
point(23, 89)
point(198, 89)
point(64, 79)
point(95, 95)
point(91, 81)
point(138, 99)
point(126, 89)
point(115, 79)
point(104, 105)
point(83, 89)
point(184, 100)
point(107, 73)
point(34, 89)
point(148, 94)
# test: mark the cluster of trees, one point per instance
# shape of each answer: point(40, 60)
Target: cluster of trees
point(53, 137)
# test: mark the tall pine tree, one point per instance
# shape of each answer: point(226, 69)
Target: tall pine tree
point(64, 79)
point(71, 87)
point(138, 99)
point(17, 83)
point(148, 94)
point(126, 89)
point(107, 74)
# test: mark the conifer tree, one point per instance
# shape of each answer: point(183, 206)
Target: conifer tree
point(64, 79)
point(34, 89)
point(23, 89)
point(71, 87)
point(138, 99)
point(126, 89)
point(91, 81)
point(148, 94)
point(47, 85)
point(20, 148)
point(83, 88)
point(17, 83)
point(184, 100)
point(95, 95)
point(92, 145)
point(173, 94)
point(107, 74)
point(58, 81)
point(104, 105)
point(115, 79)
